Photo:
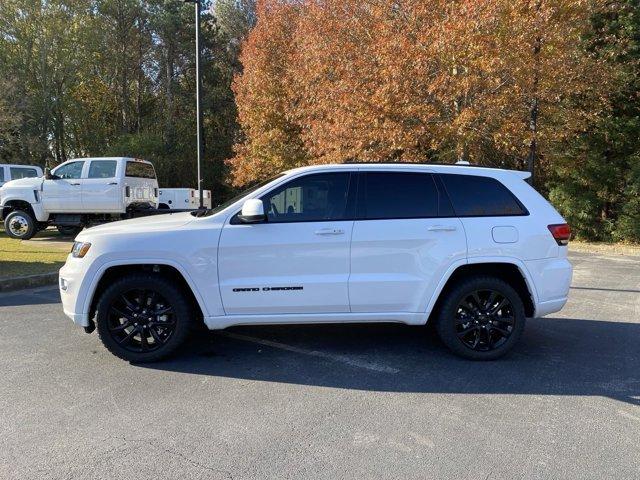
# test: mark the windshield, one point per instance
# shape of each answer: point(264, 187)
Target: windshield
point(231, 201)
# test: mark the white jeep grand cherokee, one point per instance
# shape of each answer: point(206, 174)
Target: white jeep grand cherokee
point(474, 250)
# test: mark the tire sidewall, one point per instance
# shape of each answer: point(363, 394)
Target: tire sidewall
point(31, 225)
point(171, 294)
point(446, 318)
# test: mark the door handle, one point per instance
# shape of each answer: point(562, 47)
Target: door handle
point(74, 184)
point(442, 228)
point(329, 231)
point(113, 183)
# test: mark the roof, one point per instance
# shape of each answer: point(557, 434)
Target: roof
point(433, 167)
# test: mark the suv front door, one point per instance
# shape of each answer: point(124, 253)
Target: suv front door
point(404, 240)
point(296, 262)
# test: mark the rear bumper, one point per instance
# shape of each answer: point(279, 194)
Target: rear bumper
point(552, 279)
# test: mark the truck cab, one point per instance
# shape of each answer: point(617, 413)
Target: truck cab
point(78, 193)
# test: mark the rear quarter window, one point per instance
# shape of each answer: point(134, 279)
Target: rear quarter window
point(140, 170)
point(476, 196)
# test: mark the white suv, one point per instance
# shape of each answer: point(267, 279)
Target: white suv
point(474, 250)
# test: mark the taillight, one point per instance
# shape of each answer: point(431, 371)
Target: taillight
point(561, 232)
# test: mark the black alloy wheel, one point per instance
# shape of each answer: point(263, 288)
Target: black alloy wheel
point(484, 320)
point(141, 320)
point(480, 318)
point(143, 317)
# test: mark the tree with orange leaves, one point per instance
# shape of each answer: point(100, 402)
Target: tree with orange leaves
point(488, 81)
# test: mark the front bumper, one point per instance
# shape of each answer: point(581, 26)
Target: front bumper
point(70, 284)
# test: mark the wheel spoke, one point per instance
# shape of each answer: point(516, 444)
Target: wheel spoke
point(128, 337)
point(490, 301)
point(503, 332)
point(121, 327)
point(467, 330)
point(155, 335)
point(143, 341)
point(130, 305)
point(121, 313)
point(502, 303)
point(507, 320)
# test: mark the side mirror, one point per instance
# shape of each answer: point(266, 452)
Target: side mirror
point(252, 211)
point(50, 176)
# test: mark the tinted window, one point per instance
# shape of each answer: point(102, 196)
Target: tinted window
point(1, 174)
point(20, 172)
point(398, 195)
point(102, 169)
point(313, 198)
point(474, 196)
point(140, 170)
point(70, 170)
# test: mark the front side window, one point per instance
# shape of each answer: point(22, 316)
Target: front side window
point(140, 170)
point(312, 198)
point(476, 196)
point(71, 170)
point(102, 169)
point(21, 172)
point(389, 195)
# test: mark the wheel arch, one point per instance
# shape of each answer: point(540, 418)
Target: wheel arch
point(508, 270)
point(162, 268)
point(13, 205)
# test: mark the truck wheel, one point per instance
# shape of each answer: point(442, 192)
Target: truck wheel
point(481, 318)
point(143, 318)
point(20, 225)
point(69, 231)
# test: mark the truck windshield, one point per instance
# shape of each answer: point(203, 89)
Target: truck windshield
point(244, 193)
point(140, 170)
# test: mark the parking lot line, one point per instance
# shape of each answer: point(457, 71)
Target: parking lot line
point(345, 359)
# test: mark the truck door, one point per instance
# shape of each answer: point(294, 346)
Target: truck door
point(101, 189)
point(64, 194)
point(298, 260)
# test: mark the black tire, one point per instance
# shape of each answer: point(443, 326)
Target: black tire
point(69, 231)
point(466, 324)
point(20, 225)
point(168, 331)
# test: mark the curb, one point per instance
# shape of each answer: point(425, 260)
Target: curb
point(28, 281)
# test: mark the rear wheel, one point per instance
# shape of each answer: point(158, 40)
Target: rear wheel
point(481, 318)
point(69, 231)
point(143, 318)
point(20, 225)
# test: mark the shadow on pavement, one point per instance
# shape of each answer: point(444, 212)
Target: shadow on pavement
point(555, 357)
point(48, 295)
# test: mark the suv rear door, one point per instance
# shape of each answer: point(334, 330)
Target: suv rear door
point(404, 239)
point(297, 262)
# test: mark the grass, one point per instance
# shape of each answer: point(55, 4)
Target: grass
point(603, 248)
point(45, 254)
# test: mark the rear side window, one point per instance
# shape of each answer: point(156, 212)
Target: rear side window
point(388, 195)
point(1, 174)
point(102, 169)
point(475, 196)
point(140, 170)
point(21, 172)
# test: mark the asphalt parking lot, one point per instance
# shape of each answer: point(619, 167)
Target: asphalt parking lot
point(382, 401)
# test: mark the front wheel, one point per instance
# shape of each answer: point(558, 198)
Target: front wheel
point(481, 318)
point(20, 225)
point(143, 318)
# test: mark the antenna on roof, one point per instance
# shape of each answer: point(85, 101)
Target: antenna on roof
point(462, 162)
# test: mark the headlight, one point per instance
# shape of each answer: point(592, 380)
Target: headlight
point(80, 249)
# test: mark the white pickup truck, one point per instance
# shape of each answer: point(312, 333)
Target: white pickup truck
point(78, 193)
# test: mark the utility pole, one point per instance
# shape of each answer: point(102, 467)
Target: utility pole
point(198, 109)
